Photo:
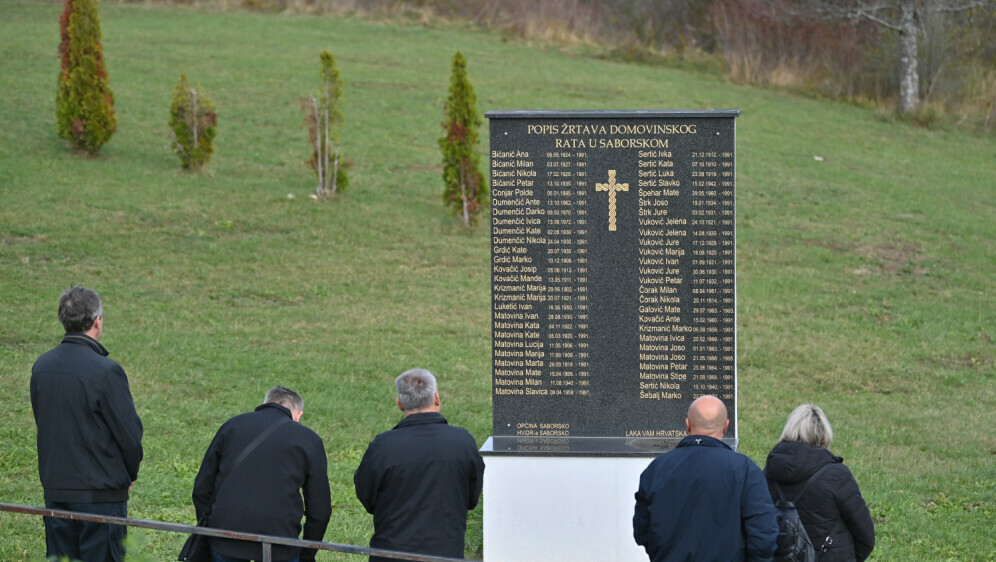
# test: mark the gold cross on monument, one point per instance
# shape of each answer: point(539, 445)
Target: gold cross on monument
point(612, 187)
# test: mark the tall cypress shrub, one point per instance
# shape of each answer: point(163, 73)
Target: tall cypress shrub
point(323, 119)
point(192, 120)
point(466, 190)
point(84, 107)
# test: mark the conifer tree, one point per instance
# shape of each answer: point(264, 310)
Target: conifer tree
point(84, 106)
point(465, 188)
point(193, 123)
point(324, 119)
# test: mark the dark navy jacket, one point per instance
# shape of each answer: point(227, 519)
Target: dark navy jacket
point(704, 501)
point(89, 435)
point(832, 505)
point(263, 494)
point(419, 480)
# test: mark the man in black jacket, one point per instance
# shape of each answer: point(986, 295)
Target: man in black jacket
point(253, 476)
point(420, 479)
point(89, 434)
point(703, 500)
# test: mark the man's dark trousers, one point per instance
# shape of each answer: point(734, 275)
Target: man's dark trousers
point(86, 540)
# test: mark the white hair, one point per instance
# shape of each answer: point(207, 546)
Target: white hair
point(808, 424)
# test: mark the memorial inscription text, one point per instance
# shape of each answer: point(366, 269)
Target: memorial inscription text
point(613, 271)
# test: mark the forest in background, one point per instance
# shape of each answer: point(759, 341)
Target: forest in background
point(760, 42)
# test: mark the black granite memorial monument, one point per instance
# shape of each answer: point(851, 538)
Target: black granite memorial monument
point(613, 260)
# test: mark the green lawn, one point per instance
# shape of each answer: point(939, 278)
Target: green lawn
point(865, 277)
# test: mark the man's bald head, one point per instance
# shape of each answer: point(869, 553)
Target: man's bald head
point(707, 416)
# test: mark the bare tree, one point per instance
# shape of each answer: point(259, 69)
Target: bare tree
point(324, 119)
point(904, 17)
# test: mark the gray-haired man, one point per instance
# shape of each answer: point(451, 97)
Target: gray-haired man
point(420, 479)
point(89, 435)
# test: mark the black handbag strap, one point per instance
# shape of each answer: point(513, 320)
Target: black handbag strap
point(255, 443)
point(245, 453)
point(810, 481)
point(195, 542)
point(781, 496)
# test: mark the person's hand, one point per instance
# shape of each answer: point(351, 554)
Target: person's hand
point(132, 485)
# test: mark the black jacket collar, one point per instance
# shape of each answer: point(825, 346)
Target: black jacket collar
point(421, 419)
point(83, 339)
point(792, 461)
point(273, 405)
point(702, 441)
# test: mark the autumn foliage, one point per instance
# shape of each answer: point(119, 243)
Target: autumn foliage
point(192, 121)
point(84, 107)
point(465, 188)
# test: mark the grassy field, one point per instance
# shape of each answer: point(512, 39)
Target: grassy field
point(865, 277)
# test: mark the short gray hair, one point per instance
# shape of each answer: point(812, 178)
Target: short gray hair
point(416, 389)
point(285, 397)
point(78, 308)
point(808, 424)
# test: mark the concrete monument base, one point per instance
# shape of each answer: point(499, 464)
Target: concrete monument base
point(560, 508)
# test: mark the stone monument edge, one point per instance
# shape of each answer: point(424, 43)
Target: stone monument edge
point(614, 114)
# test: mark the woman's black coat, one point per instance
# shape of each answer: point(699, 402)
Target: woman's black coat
point(832, 509)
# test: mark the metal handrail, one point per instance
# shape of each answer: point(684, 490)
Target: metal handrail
point(266, 540)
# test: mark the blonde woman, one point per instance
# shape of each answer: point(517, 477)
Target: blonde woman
point(832, 509)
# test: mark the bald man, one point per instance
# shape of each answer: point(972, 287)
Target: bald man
point(703, 500)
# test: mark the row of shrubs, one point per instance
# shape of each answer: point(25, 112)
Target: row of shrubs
point(85, 116)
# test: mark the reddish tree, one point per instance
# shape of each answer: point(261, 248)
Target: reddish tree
point(84, 108)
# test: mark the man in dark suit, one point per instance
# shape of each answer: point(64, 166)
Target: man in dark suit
point(89, 434)
point(254, 475)
point(420, 479)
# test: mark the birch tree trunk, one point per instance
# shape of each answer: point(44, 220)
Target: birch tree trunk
point(909, 75)
point(193, 115)
point(327, 156)
point(335, 172)
point(318, 148)
point(463, 193)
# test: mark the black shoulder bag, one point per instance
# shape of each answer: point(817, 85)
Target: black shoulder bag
point(793, 539)
point(197, 547)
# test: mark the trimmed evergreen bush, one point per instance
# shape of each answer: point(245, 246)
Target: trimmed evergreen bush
point(465, 187)
point(192, 120)
point(323, 119)
point(84, 108)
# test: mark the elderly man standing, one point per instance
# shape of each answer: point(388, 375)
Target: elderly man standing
point(704, 501)
point(89, 434)
point(420, 479)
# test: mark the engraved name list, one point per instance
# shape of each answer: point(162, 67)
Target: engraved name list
point(613, 271)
